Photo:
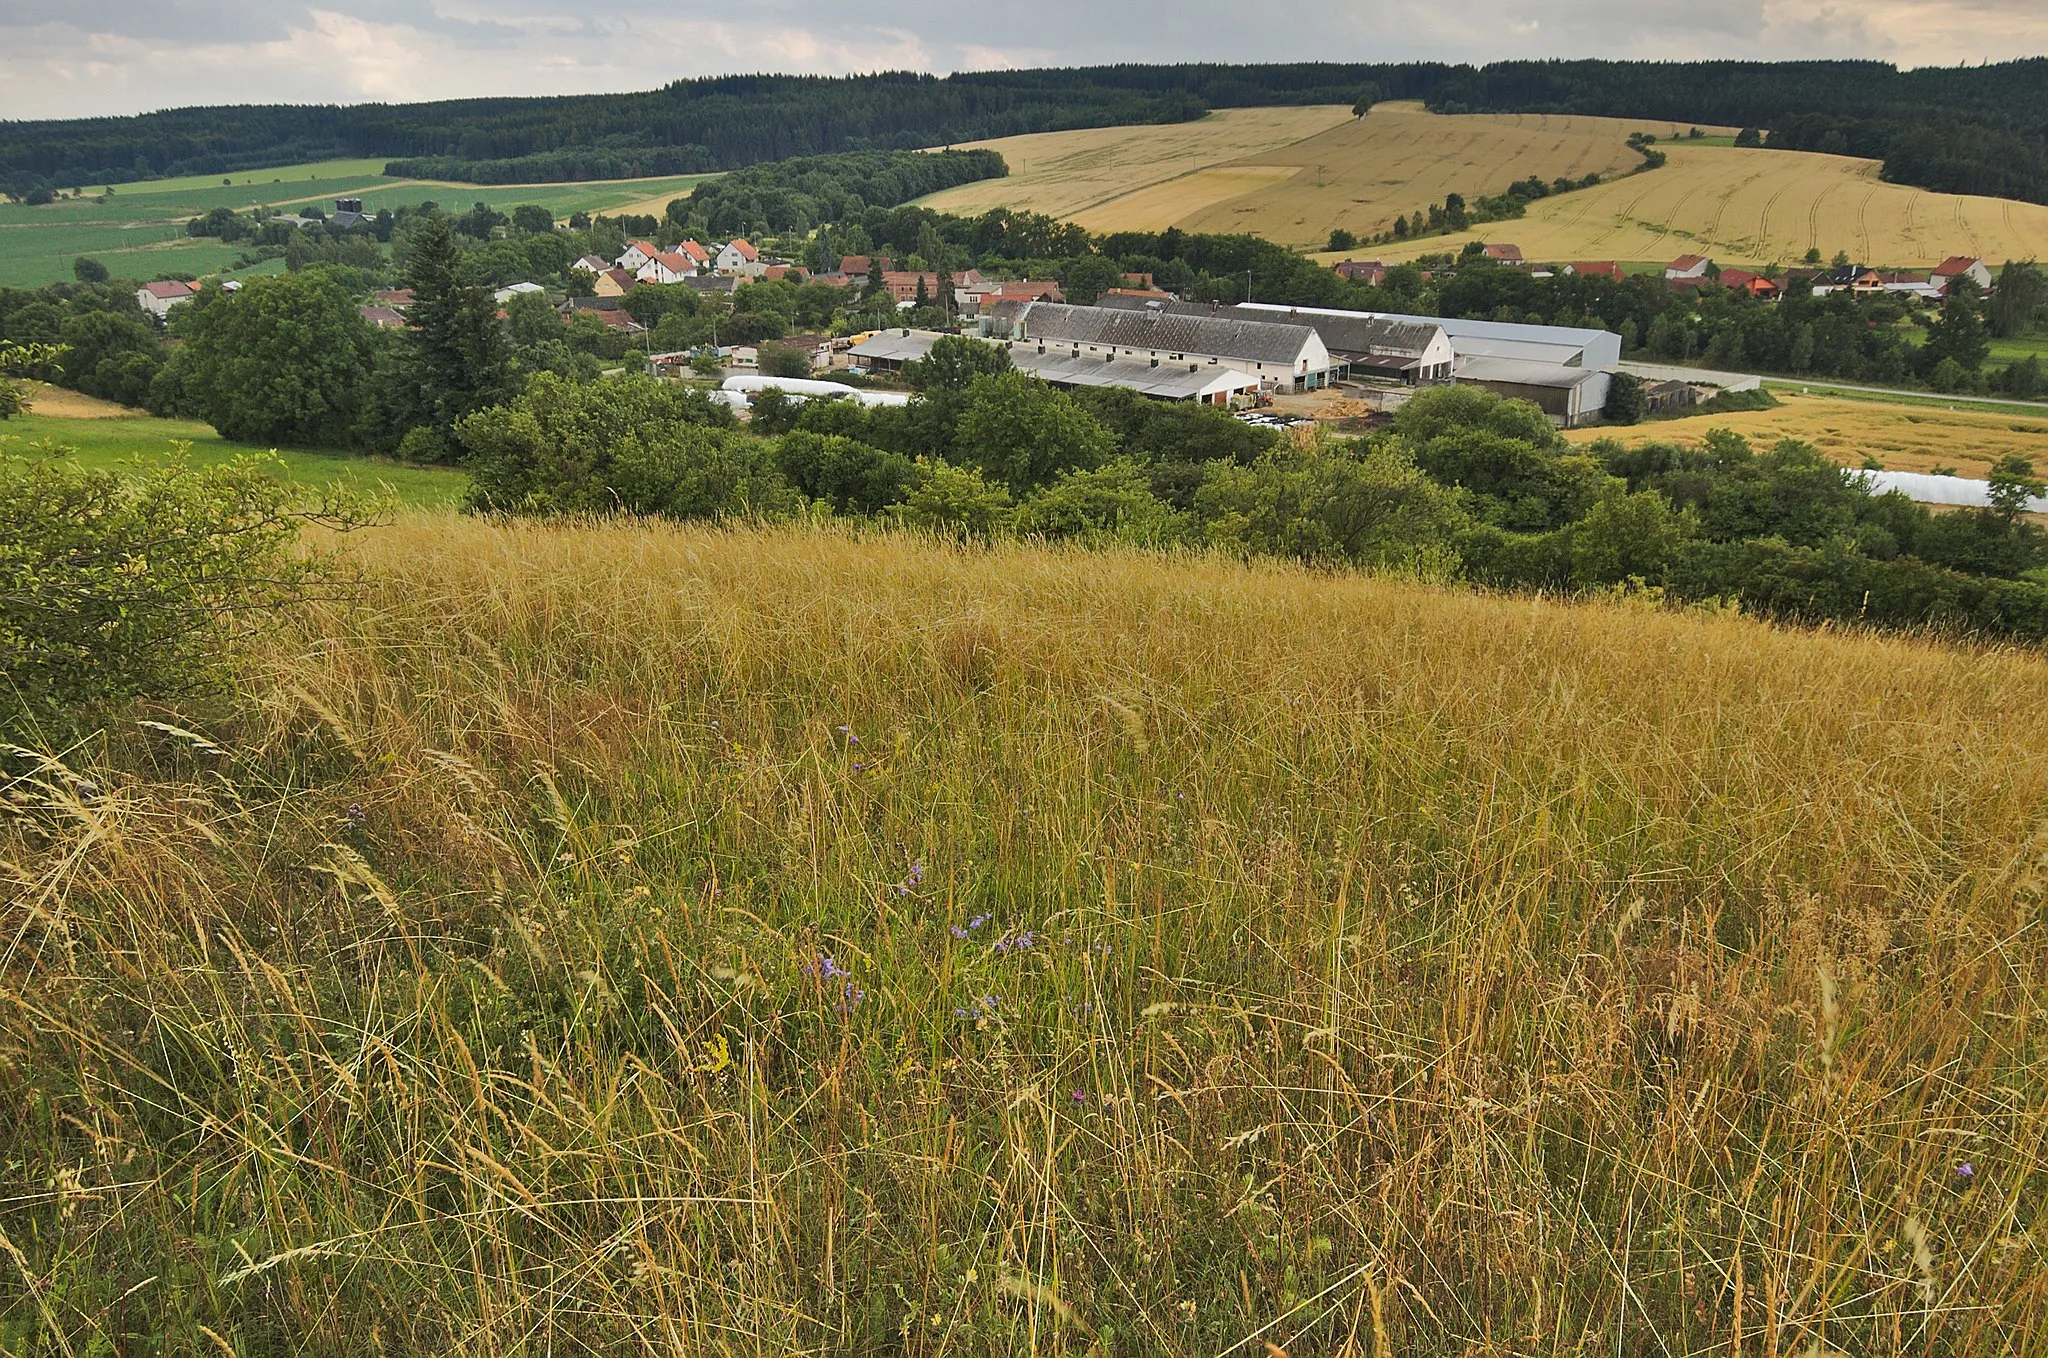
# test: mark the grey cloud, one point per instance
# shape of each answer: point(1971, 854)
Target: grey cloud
point(58, 58)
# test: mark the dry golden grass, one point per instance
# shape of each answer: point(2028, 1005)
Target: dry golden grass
point(1070, 174)
point(1905, 438)
point(61, 403)
point(1759, 207)
point(1411, 972)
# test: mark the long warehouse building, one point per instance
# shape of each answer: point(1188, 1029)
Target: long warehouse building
point(1566, 371)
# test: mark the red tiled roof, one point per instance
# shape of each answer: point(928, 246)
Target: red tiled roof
point(1687, 263)
point(1954, 265)
point(747, 251)
point(168, 289)
point(1505, 253)
point(1597, 268)
point(694, 252)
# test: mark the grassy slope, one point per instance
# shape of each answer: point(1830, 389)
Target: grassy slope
point(139, 231)
point(1412, 969)
point(1906, 435)
point(98, 440)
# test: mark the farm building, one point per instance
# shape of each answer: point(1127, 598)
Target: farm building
point(158, 298)
point(1570, 396)
point(1688, 267)
point(1411, 349)
point(1286, 356)
point(1505, 254)
point(1165, 380)
point(1596, 268)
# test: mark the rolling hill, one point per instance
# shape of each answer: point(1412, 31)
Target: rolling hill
point(1742, 206)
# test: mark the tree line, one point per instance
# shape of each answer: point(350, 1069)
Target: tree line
point(1462, 486)
point(1958, 129)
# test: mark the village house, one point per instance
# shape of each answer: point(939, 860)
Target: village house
point(383, 317)
point(985, 294)
point(1506, 254)
point(1596, 268)
point(1962, 266)
point(1688, 268)
point(667, 266)
point(591, 265)
point(613, 283)
point(637, 255)
point(738, 259)
point(158, 298)
point(1755, 284)
point(903, 287)
point(398, 299)
point(1368, 271)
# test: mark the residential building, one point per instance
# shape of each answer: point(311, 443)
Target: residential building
point(699, 257)
point(1281, 355)
point(591, 265)
point(383, 317)
point(1755, 284)
point(637, 254)
point(1505, 254)
point(1689, 267)
point(857, 266)
point(1962, 266)
point(1597, 268)
point(739, 259)
point(667, 266)
point(613, 283)
point(158, 298)
point(398, 299)
point(984, 294)
point(1368, 271)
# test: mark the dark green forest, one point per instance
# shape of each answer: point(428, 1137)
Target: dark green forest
point(1956, 129)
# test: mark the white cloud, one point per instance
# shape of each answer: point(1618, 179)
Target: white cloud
point(123, 56)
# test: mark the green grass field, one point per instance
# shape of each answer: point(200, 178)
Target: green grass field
point(2004, 351)
point(127, 442)
point(138, 230)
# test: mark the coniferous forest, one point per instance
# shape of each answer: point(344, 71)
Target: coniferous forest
point(1954, 129)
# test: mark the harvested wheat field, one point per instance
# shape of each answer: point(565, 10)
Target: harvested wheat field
point(1071, 174)
point(613, 939)
point(1342, 171)
point(1760, 207)
point(1904, 438)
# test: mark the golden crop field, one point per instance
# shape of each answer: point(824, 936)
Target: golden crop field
point(1290, 174)
point(1903, 437)
point(1072, 174)
point(1757, 207)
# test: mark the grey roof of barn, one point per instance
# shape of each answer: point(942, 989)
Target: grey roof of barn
point(1156, 329)
point(1357, 334)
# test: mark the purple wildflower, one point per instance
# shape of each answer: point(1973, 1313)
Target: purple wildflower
point(1079, 1097)
point(1966, 1170)
point(851, 738)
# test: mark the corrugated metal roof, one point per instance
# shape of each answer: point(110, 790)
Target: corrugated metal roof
point(1342, 332)
point(1524, 374)
point(893, 346)
point(1168, 381)
point(1167, 330)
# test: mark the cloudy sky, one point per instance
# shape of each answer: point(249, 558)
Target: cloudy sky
point(60, 58)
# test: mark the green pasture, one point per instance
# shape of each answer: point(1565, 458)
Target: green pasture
point(143, 439)
point(138, 230)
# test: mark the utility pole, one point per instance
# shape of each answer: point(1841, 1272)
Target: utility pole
point(1247, 285)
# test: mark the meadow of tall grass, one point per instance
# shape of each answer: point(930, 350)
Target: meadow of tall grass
point(678, 940)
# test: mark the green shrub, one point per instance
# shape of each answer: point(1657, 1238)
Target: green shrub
point(1108, 503)
point(116, 587)
point(955, 502)
point(1377, 509)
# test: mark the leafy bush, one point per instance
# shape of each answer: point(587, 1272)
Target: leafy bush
point(282, 361)
point(1377, 510)
point(116, 587)
point(850, 476)
point(634, 445)
point(1109, 503)
point(955, 502)
point(1021, 432)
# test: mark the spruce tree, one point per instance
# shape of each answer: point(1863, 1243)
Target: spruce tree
point(461, 358)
